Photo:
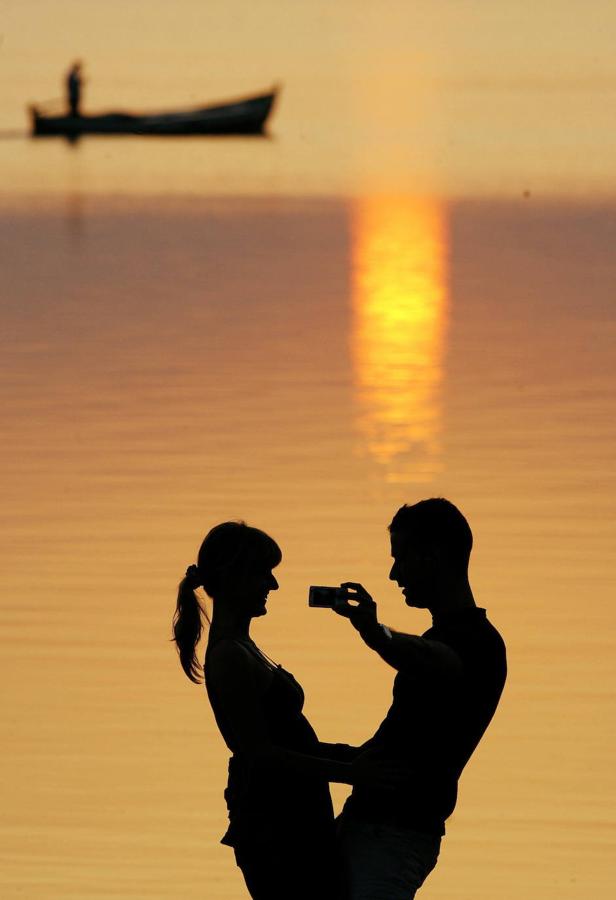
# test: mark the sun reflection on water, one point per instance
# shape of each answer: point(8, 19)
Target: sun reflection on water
point(399, 298)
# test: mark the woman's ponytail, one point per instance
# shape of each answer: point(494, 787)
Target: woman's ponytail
point(188, 625)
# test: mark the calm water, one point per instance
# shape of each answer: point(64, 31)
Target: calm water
point(173, 365)
point(306, 331)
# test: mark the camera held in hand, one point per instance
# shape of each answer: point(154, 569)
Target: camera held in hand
point(326, 597)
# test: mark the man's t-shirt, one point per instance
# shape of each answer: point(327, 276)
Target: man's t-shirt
point(434, 724)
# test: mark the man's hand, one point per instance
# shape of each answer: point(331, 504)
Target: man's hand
point(361, 610)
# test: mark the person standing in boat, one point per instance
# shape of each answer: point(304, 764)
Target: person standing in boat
point(73, 89)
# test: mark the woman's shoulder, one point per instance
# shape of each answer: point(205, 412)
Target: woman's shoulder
point(223, 650)
point(230, 657)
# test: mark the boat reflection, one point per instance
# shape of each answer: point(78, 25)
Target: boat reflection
point(399, 298)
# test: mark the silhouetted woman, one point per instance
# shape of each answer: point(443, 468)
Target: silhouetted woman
point(281, 824)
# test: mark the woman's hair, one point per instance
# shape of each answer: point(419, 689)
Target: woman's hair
point(228, 549)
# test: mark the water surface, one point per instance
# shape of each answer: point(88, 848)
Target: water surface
point(171, 365)
point(405, 290)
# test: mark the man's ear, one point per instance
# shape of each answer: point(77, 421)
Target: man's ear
point(432, 558)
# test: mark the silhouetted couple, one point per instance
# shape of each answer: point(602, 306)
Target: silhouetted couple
point(447, 686)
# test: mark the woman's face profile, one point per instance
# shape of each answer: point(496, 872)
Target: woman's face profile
point(249, 588)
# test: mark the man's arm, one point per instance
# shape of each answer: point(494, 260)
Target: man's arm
point(411, 653)
point(403, 652)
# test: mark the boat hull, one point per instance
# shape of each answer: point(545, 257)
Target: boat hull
point(247, 116)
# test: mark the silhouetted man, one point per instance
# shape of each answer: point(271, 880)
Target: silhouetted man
point(446, 689)
point(73, 88)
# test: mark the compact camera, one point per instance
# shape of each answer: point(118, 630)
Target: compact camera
point(325, 597)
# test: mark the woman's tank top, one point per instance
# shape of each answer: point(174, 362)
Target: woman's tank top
point(258, 792)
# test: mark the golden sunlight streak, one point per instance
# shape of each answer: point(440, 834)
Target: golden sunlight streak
point(398, 333)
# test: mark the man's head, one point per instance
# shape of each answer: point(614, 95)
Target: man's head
point(431, 542)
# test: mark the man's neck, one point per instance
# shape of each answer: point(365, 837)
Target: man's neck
point(453, 598)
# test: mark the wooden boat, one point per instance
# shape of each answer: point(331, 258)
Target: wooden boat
point(244, 116)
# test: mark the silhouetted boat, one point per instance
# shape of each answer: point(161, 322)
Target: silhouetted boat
point(245, 116)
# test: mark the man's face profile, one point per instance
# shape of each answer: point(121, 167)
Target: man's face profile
point(410, 570)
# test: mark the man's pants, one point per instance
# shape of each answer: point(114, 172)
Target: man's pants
point(382, 862)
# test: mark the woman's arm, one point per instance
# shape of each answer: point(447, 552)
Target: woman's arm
point(232, 670)
point(340, 752)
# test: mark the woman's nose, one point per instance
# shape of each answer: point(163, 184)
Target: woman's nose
point(274, 583)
